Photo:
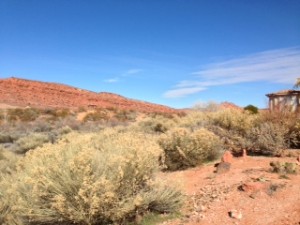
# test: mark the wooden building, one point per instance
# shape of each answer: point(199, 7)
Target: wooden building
point(284, 100)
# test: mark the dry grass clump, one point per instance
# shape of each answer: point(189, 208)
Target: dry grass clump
point(184, 148)
point(31, 141)
point(86, 179)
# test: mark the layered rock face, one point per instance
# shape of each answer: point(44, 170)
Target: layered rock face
point(23, 93)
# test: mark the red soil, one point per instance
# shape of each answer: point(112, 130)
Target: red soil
point(271, 200)
point(22, 93)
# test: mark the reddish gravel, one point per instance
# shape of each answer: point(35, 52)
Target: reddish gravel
point(274, 201)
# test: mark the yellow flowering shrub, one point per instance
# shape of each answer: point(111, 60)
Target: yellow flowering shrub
point(184, 148)
point(86, 179)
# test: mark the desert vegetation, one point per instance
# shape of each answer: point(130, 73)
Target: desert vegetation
point(104, 168)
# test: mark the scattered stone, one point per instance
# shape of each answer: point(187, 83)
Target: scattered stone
point(298, 160)
point(223, 167)
point(235, 214)
point(227, 157)
point(251, 187)
point(200, 208)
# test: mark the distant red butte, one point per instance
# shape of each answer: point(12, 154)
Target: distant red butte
point(229, 105)
point(23, 93)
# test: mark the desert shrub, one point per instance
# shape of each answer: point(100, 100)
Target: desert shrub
point(158, 124)
point(2, 116)
point(194, 119)
point(6, 138)
point(233, 140)
point(88, 179)
point(57, 113)
point(31, 141)
point(8, 161)
point(251, 108)
point(25, 115)
point(184, 148)
point(234, 119)
point(284, 167)
point(210, 106)
point(286, 119)
point(268, 138)
point(98, 115)
point(125, 115)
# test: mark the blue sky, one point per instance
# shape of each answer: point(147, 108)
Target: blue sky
point(172, 52)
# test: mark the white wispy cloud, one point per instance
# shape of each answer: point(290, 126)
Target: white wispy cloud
point(131, 72)
point(122, 76)
point(276, 66)
point(112, 80)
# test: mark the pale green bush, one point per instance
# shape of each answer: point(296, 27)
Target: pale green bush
point(184, 148)
point(31, 141)
point(88, 179)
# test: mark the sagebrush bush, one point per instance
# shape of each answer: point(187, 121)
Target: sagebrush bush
point(98, 115)
point(125, 115)
point(284, 167)
point(87, 179)
point(6, 137)
point(8, 161)
point(194, 119)
point(184, 148)
point(2, 117)
point(268, 138)
point(157, 124)
point(234, 120)
point(31, 141)
point(25, 115)
point(288, 120)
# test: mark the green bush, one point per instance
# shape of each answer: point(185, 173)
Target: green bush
point(31, 141)
point(88, 179)
point(184, 148)
point(251, 108)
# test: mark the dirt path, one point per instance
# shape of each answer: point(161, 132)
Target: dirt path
point(212, 196)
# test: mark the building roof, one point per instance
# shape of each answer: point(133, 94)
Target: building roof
point(284, 93)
